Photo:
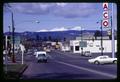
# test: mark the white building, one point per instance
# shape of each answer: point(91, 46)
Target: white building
point(92, 46)
point(65, 46)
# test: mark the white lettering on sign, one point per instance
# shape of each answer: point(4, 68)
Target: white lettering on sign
point(105, 21)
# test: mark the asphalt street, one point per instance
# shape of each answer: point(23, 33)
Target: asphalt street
point(62, 65)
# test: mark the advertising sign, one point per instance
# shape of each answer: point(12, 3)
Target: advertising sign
point(105, 21)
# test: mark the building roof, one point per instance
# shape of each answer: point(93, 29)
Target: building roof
point(92, 37)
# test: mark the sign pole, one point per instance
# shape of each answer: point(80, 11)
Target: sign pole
point(113, 39)
point(6, 37)
point(22, 56)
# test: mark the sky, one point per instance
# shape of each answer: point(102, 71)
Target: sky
point(42, 17)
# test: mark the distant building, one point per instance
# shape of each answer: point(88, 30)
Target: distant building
point(65, 46)
point(92, 46)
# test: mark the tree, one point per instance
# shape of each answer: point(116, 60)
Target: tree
point(40, 38)
point(37, 37)
point(49, 38)
point(64, 39)
point(45, 38)
point(97, 33)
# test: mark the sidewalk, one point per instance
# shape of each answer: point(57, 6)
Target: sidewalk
point(14, 70)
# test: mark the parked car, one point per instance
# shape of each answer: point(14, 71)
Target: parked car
point(29, 52)
point(87, 53)
point(102, 60)
point(41, 56)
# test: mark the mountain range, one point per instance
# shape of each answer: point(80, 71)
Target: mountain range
point(69, 34)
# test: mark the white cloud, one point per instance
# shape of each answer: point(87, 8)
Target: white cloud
point(67, 10)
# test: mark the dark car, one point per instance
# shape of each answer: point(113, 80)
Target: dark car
point(87, 53)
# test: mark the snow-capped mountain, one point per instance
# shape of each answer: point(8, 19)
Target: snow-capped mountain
point(77, 28)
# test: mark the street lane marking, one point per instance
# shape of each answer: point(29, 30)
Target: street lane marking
point(69, 55)
point(90, 70)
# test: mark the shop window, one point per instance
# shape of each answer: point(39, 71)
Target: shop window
point(97, 45)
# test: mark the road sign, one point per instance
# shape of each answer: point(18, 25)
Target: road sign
point(83, 44)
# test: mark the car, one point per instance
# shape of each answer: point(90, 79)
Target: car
point(47, 50)
point(41, 56)
point(29, 52)
point(87, 53)
point(102, 60)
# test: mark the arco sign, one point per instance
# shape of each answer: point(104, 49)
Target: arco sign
point(105, 21)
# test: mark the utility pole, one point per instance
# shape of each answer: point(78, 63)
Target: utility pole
point(9, 45)
point(13, 55)
point(101, 39)
point(13, 28)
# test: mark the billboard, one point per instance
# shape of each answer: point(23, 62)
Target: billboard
point(105, 22)
point(83, 44)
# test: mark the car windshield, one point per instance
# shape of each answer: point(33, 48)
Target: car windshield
point(39, 55)
point(104, 57)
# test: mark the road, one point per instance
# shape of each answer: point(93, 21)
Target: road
point(67, 66)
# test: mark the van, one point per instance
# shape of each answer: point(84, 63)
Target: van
point(41, 56)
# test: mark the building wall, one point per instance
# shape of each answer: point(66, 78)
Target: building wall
point(94, 46)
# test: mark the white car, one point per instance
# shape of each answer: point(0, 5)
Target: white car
point(41, 56)
point(39, 52)
point(102, 60)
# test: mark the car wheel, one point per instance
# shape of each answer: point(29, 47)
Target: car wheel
point(46, 61)
point(115, 61)
point(96, 62)
point(38, 61)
